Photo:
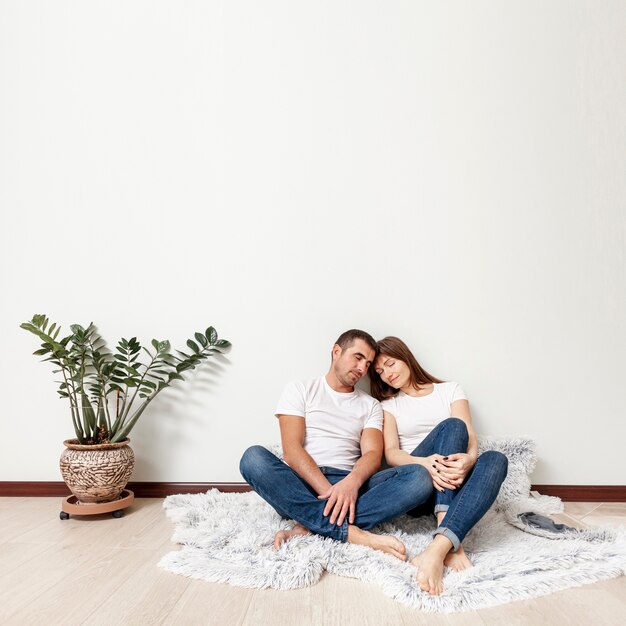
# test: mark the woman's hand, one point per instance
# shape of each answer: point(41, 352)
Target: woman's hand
point(455, 467)
point(442, 476)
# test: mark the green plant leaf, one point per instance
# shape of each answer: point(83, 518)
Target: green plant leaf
point(193, 345)
point(164, 346)
point(201, 339)
point(211, 335)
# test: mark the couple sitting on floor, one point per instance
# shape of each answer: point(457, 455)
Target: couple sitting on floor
point(333, 436)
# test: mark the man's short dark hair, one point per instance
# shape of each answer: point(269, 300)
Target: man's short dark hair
point(346, 339)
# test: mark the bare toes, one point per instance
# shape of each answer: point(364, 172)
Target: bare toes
point(279, 539)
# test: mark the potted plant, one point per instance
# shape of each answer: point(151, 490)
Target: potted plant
point(108, 391)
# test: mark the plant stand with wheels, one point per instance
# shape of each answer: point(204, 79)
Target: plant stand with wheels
point(72, 506)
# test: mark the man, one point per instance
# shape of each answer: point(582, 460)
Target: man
point(332, 443)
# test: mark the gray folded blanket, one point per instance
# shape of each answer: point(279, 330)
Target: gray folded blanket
point(534, 520)
point(542, 526)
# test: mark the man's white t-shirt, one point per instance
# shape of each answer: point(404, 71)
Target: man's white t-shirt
point(333, 420)
point(416, 417)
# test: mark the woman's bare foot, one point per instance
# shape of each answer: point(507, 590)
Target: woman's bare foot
point(385, 543)
point(458, 560)
point(285, 535)
point(430, 565)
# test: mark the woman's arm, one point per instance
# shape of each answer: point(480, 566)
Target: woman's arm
point(395, 456)
point(456, 467)
point(460, 409)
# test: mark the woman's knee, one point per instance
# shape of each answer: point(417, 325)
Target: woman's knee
point(496, 461)
point(457, 424)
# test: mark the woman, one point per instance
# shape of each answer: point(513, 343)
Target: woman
point(428, 422)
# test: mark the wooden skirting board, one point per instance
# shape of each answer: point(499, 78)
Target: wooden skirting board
point(568, 493)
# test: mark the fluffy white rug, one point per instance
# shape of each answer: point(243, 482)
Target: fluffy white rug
point(227, 537)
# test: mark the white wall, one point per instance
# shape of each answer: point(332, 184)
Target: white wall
point(452, 173)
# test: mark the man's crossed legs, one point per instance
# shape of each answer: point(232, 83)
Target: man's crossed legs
point(386, 495)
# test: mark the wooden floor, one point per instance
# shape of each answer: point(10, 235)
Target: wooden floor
point(102, 570)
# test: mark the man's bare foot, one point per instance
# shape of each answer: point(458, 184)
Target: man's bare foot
point(285, 535)
point(458, 560)
point(430, 565)
point(385, 543)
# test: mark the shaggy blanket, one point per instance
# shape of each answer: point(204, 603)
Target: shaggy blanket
point(228, 537)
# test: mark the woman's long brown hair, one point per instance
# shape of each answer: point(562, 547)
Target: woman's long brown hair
point(397, 349)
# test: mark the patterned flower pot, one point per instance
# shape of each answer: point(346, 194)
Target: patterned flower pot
point(97, 473)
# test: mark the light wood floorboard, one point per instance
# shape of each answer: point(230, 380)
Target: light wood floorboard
point(580, 509)
point(145, 597)
point(283, 608)
point(102, 570)
point(608, 514)
point(210, 604)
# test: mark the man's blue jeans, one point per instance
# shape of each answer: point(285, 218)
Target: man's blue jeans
point(465, 505)
point(387, 494)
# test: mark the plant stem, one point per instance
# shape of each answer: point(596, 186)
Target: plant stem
point(130, 404)
point(74, 409)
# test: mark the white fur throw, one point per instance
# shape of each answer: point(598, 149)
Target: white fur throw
point(228, 538)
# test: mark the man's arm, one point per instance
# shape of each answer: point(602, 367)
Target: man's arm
point(371, 455)
point(292, 431)
point(342, 496)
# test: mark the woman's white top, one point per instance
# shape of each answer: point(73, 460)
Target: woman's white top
point(416, 417)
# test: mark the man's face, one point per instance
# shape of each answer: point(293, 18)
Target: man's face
point(352, 362)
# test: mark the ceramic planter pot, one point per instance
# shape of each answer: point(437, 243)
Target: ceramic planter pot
point(97, 473)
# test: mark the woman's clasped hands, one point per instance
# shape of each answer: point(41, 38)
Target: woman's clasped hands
point(448, 472)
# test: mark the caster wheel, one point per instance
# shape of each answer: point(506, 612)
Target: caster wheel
point(64, 515)
point(119, 513)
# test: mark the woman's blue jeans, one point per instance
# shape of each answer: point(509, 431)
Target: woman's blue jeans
point(387, 494)
point(465, 505)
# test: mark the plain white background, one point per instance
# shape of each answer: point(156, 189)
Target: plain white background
point(451, 173)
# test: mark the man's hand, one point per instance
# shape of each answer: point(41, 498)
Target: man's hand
point(341, 498)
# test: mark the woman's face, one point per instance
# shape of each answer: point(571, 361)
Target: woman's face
point(393, 371)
